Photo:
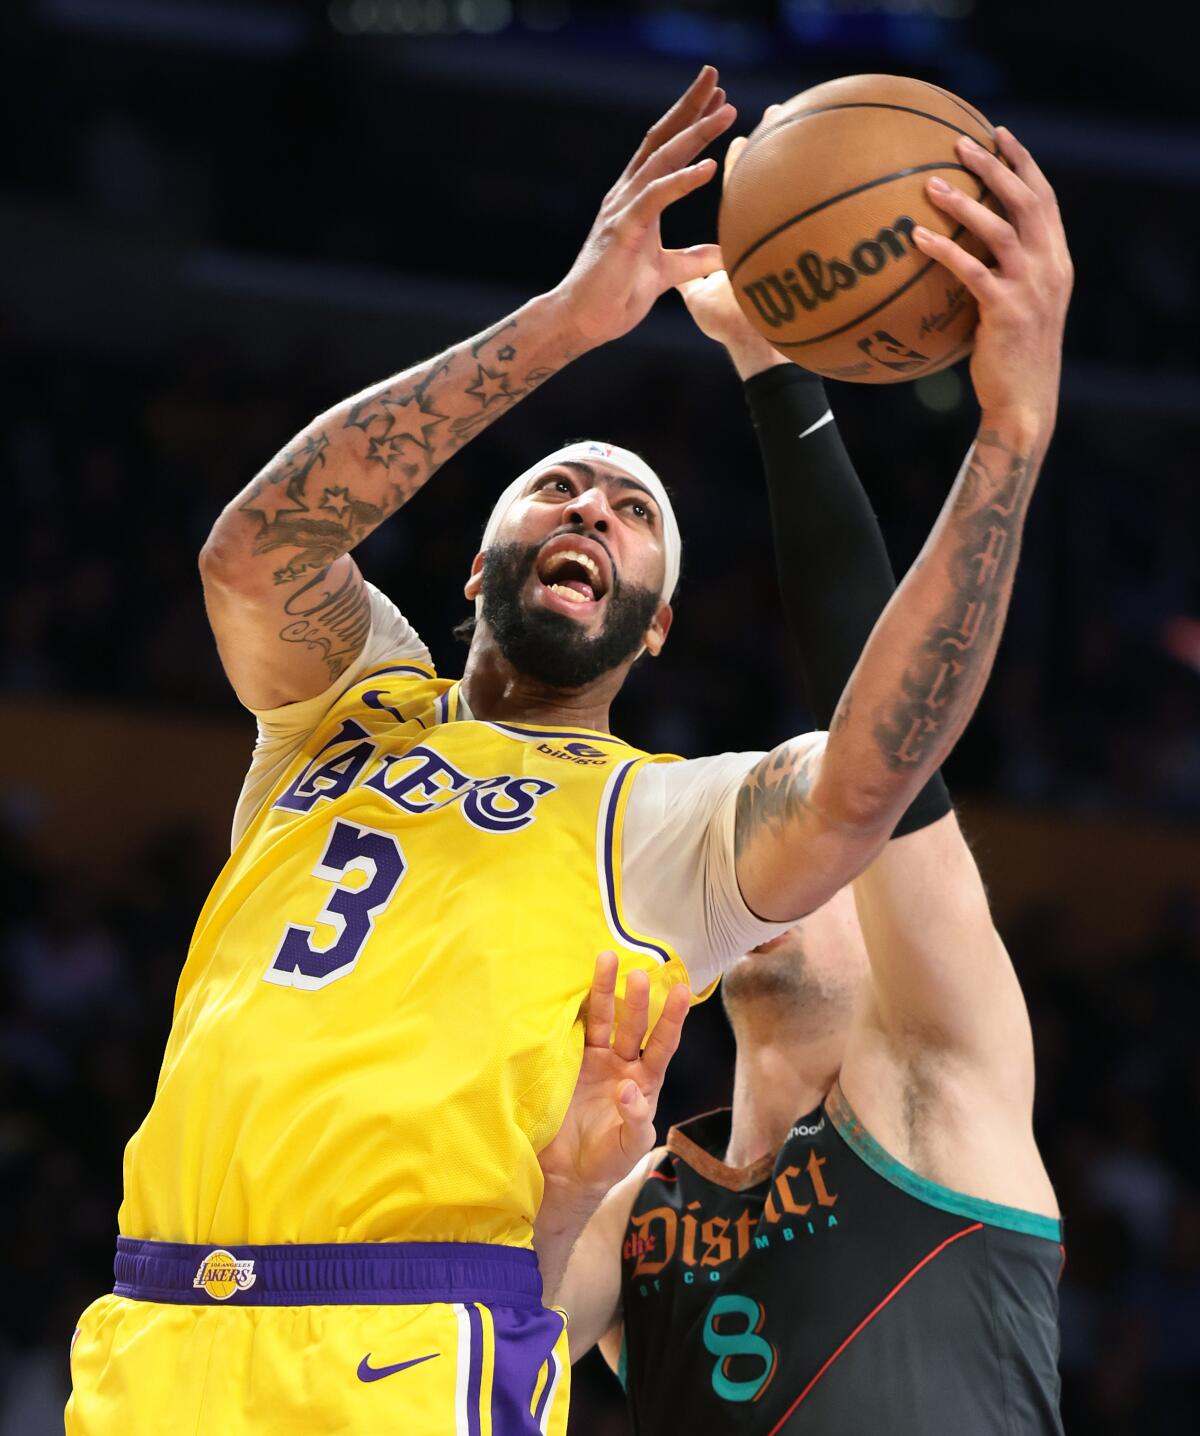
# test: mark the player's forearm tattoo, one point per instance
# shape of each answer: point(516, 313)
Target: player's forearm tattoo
point(399, 424)
point(332, 621)
point(466, 426)
point(480, 344)
point(324, 494)
point(318, 523)
point(774, 793)
point(951, 662)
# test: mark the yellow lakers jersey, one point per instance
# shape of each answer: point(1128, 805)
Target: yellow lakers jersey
point(377, 1027)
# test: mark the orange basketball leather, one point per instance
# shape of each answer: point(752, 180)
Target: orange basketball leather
point(816, 228)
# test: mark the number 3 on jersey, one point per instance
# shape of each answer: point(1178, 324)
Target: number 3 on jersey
point(350, 911)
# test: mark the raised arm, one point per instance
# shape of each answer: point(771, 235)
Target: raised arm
point(285, 599)
point(809, 820)
point(943, 1016)
point(939, 1064)
point(940, 972)
point(939, 968)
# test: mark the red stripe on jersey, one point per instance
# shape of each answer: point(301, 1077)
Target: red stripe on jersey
point(866, 1321)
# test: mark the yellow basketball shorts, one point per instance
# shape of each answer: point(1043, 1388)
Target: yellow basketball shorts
point(382, 1339)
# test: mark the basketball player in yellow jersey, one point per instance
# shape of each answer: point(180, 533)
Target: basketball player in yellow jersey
point(328, 1209)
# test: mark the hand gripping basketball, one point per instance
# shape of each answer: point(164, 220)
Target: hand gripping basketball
point(1023, 299)
point(623, 268)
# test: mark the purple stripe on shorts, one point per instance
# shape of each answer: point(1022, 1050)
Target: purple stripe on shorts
point(524, 1343)
point(333, 1274)
point(474, 1369)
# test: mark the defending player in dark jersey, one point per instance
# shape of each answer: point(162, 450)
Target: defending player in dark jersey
point(868, 1241)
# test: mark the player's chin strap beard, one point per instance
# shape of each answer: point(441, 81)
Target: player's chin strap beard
point(551, 648)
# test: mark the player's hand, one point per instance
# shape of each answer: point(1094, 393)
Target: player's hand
point(623, 268)
point(609, 1126)
point(1022, 300)
point(711, 303)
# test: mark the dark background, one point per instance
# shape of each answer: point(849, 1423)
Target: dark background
point(218, 218)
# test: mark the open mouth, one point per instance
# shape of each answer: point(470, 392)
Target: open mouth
point(575, 571)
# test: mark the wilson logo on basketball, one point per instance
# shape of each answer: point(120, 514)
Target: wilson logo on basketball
point(815, 281)
point(221, 1274)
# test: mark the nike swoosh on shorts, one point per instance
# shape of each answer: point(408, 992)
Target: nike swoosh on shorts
point(367, 1372)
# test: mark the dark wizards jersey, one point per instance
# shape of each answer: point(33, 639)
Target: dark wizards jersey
point(831, 1290)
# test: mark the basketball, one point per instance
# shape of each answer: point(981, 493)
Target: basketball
point(816, 228)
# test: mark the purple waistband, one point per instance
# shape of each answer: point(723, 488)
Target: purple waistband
point(337, 1274)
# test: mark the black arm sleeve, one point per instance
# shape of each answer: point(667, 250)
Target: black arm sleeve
point(835, 577)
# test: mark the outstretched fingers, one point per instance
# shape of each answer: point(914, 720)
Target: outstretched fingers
point(664, 1040)
point(685, 146)
point(693, 103)
point(601, 1002)
point(633, 1018)
point(648, 207)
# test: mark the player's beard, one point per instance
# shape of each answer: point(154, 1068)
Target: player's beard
point(550, 647)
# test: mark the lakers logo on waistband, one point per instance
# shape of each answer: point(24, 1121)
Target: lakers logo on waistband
point(220, 1274)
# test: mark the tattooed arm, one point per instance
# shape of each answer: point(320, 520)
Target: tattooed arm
point(286, 601)
point(809, 820)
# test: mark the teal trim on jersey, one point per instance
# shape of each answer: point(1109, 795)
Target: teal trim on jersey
point(623, 1365)
point(1013, 1219)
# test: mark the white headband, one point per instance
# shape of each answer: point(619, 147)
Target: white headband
point(634, 466)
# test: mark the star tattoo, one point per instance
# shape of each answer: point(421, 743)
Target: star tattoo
point(408, 418)
point(488, 386)
point(272, 500)
point(338, 501)
point(405, 420)
point(385, 448)
point(281, 489)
